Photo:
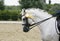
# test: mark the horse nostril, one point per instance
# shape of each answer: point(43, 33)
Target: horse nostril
point(25, 29)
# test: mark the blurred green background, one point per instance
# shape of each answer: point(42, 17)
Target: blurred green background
point(13, 13)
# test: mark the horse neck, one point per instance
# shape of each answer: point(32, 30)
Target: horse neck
point(48, 25)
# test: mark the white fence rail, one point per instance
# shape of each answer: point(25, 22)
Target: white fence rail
point(11, 22)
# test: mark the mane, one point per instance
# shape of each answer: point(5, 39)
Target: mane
point(39, 12)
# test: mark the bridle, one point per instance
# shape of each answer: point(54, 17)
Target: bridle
point(27, 27)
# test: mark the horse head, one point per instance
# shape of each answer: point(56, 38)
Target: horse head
point(27, 17)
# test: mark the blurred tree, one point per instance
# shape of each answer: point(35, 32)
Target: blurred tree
point(32, 3)
point(54, 8)
point(49, 1)
point(2, 5)
point(48, 7)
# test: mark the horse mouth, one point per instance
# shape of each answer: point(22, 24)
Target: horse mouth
point(25, 29)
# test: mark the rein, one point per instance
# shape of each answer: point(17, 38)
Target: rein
point(35, 24)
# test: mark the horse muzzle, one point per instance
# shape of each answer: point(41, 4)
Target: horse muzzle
point(25, 29)
point(26, 25)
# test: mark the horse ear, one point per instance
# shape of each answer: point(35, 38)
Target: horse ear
point(23, 12)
